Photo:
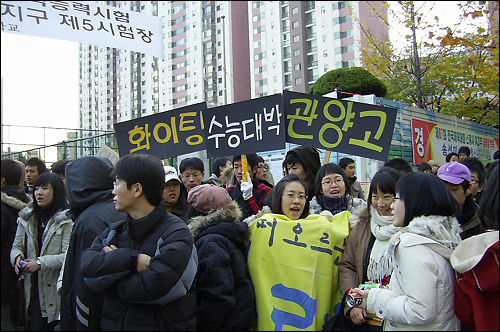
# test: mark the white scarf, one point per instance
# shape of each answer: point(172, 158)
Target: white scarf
point(383, 229)
point(442, 229)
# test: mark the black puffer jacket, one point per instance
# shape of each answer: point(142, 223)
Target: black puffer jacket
point(14, 199)
point(159, 298)
point(88, 186)
point(226, 299)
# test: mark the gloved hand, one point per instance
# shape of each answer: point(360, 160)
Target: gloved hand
point(247, 188)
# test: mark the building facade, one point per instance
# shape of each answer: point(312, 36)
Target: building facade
point(221, 52)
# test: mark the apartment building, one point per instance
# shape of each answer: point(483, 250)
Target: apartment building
point(222, 52)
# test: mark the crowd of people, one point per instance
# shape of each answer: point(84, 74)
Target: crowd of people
point(138, 245)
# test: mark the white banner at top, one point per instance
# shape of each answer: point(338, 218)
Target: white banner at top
point(86, 22)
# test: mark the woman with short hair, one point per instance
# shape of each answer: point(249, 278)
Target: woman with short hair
point(420, 294)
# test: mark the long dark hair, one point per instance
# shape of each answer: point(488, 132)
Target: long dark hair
point(277, 194)
point(425, 194)
point(488, 210)
point(59, 199)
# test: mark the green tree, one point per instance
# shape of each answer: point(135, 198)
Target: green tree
point(436, 67)
point(352, 80)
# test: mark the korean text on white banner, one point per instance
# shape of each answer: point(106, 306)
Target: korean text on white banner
point(86, 22)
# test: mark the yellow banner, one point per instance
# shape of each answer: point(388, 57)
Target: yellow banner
point(294, 269)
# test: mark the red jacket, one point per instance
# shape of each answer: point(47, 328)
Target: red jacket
point(475, 261)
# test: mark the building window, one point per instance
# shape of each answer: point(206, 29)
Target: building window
point(296, 39)
point(286, 52)
point(287, 66)
point(309, 5)
point(310, 19)
point(298, 81)
point(284, 12)
point(312, 60)
point(287, 80)
point(295, 10)
point(295, 25)
point(296, 52)
point(297, 66)
point(312, 46)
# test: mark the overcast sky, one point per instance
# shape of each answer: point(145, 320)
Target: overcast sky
point(40, 84)
point(39, 88)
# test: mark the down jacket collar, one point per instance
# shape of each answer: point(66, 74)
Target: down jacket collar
point(13, 202)
point(139, 228)
point(229, 212)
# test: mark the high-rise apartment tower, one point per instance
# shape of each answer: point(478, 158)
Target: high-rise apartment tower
point(222, 52)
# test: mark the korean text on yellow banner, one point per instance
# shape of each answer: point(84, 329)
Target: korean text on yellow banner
point(294, 269)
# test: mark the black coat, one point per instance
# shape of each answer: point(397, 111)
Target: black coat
point(226, 299)
point(160, 298)
point(14, 199)
point(88, 186)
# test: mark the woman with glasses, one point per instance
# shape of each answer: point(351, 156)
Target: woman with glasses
point(420, 294)
point(333, 193)
point(368, 241)
point(289, 198)
point(293, 258)
point(263, 173)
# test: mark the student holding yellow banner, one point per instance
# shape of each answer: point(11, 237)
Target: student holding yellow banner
point(293, 260)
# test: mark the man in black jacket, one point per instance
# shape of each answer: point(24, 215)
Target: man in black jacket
point(144, 264)
point(89, 183)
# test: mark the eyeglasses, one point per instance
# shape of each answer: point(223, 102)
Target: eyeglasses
point(187, 175)
point(300, 197)
point(329, 182)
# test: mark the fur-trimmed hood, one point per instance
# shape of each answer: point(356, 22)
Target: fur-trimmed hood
point(357, 207)
point(13, 202)
point(250, 219)
point(439, 233)
point(229, 212)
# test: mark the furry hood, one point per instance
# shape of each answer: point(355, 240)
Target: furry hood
point(13, 202)
point(250, 219)
point(229, 212)
point(439, 233)
point(28, 212)
point(359, 211)
point(443, 230)
point(356, 206)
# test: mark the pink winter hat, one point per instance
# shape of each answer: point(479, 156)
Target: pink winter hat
point(207, 197)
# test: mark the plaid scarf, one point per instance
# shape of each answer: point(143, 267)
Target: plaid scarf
point(334, 204)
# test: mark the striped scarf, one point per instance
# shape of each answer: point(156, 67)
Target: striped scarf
point(334, 204)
